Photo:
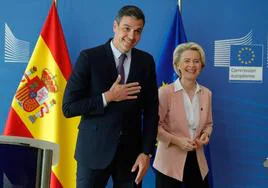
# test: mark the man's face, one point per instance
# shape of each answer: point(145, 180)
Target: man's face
point(127, 33)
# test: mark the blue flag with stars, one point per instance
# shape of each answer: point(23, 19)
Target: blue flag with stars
point(176, 35)
point(246, 55)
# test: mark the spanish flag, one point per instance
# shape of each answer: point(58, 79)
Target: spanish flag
point(36, 107)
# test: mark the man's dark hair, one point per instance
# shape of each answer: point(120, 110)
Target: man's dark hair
point(132, 11)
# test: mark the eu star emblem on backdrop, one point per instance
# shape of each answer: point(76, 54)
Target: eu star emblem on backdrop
point(36, 107)
point(246, 55)
point(246, 63)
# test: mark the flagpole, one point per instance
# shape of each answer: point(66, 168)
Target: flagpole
point(180, 4)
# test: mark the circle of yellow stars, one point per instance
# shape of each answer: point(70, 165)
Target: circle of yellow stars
point(251, 55)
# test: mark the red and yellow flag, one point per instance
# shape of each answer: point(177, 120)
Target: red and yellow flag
point(36, 107)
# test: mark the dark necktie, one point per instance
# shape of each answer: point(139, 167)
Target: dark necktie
point(120, 68)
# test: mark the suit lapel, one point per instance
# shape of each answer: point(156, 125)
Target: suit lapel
point(201, 107)
point(111, 66)
point(133, 66)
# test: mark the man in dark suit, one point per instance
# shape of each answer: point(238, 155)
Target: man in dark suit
point(119, 111)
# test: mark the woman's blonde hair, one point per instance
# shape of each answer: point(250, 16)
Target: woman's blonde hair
point(182, 48)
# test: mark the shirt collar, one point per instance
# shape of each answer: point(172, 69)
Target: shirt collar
point(117, 53)
point(178, 86)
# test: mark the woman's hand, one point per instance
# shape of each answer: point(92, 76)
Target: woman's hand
point(184, 143)
point(203, 140)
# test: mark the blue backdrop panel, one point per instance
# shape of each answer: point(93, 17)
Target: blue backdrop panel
point(240, 105)
point(230, 30)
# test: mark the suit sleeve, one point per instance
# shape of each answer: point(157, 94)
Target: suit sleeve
point(78, 99)
point(150, 115)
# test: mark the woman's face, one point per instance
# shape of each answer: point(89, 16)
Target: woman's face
point(190, 65)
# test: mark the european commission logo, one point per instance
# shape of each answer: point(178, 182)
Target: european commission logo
point(15, 50)
point(244, 59)
point(246, 63)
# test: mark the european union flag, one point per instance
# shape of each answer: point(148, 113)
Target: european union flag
point(246, 55)
point(176, 35)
